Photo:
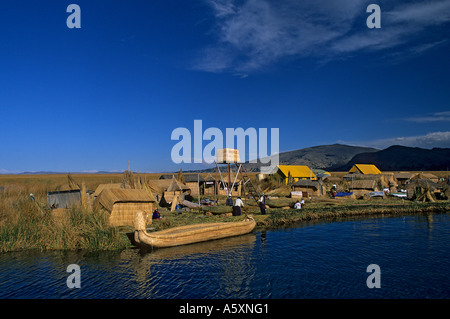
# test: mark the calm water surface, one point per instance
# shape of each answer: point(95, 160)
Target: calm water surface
point(311, 260)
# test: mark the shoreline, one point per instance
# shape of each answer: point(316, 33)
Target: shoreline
point(31, 228)
point(279, 217)
point(287, 217)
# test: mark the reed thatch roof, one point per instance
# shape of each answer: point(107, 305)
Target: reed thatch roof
point(363, 176)
point(307, 183)
point(424, 183)
point(176, 186)
point(102, 187)
point(332, 179)
point(167, 176)
point(193, 178)
point(367, 184)
point(428, 176)
point(158, 186)
point(109, 197)
point(404, 175)
point(210, 178)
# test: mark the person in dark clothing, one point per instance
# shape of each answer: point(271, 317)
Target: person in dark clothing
point(262, 204)
point(156, 215)
point(229, 201)
point(189, 197)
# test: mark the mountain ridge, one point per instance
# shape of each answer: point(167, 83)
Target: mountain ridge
point(340, 158)
point(404, 158)
point(317, 157)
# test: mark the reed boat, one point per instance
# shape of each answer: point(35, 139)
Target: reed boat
point(189, 234)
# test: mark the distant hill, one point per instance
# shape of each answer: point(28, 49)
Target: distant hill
point(338, 157)
point(326, 157)
point(403, 158)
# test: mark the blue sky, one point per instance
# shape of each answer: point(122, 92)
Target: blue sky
point(93, 98)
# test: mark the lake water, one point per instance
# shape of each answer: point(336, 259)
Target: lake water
point(311, 260)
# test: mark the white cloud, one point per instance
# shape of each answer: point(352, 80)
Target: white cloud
point(253, 34)
point(430, 140)
point(421, 13)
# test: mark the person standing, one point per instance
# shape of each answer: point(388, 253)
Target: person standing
point(262, 204)
point(237, 211)
point(229, 201)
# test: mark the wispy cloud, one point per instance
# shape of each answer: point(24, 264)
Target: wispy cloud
point(430, 140)
point(435, 117)
point(253, 34)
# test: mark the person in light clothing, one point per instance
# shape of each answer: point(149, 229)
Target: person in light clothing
point(237, 211)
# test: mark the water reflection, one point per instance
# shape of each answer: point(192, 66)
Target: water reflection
point(314, 259)
point(198, 248)
point(228, 258)
point(430, 221)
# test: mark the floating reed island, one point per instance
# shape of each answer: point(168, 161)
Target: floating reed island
point(67, 212)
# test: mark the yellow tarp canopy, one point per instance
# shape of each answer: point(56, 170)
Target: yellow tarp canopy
point(365, 169)
point(297, 171)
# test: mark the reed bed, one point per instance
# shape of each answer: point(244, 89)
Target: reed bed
point(77, 228)
point(27, 224)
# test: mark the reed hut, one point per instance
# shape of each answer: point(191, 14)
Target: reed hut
point(210, 185)
point(175, 189)
point(428, 176)
point(309, 188)
point(403, 178)
point(360, 187)
point(289, 174)
point(350, 177)
point(159, 187)
point(122, 204)
point(196, 183)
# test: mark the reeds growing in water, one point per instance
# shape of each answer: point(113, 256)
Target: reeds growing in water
point(27, 224)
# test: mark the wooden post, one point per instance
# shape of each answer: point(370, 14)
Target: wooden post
point(83, 195)
point(216, 188)
point(174, 203)
point(229, 179)
point(198, 185)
